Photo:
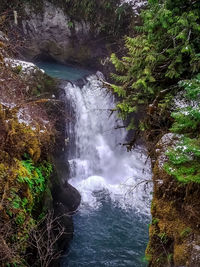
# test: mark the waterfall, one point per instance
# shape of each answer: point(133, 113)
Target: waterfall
point(111, 224)
point(98, 160)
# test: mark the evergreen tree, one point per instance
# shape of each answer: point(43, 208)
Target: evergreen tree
point(165, 50)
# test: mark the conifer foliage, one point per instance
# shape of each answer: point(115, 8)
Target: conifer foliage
point(165, 50)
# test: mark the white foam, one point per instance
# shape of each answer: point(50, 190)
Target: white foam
point(99, 163)
point(125, 186)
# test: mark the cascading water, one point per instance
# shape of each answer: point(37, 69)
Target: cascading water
point(99, 161)
point(105, 175)
point(111, 224)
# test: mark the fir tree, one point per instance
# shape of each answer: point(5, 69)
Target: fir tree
point(165, 50)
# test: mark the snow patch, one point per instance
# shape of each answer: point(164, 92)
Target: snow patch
point(3, 37)
point(197, 248)
point(181, 103)
point(24, 117)
point(27, 67)
point(169, 139)
point(8, 105)
point(135, 4)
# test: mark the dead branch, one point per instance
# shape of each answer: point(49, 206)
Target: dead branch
point(44, 238)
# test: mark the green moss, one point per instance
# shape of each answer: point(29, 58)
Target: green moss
point(24, 174)
point(20, 218)
point(163, 237)
point(155, 221)
point(17, 69)
point(146, 258)
point(181, 254)
point(186, 232)
point(176, 205)
point(29, 181)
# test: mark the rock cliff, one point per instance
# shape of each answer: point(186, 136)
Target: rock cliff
point(52, 34)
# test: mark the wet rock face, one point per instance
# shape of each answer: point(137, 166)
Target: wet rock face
point(52, 34)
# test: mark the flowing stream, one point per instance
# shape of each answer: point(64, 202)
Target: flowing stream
point(111, 226)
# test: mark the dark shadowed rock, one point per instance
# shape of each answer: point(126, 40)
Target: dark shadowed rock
point(66, 195)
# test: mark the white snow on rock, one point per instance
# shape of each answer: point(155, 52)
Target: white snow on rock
point(180, 102)
point(8, 105)
point(27, 67)
point(3, 37)
point(169, 139)
point(24, 117)
point(183, 105)
point(135, 4)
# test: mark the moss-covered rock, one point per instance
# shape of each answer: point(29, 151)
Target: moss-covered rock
point(175, 229)
point(24, 173)
point(30, 123)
